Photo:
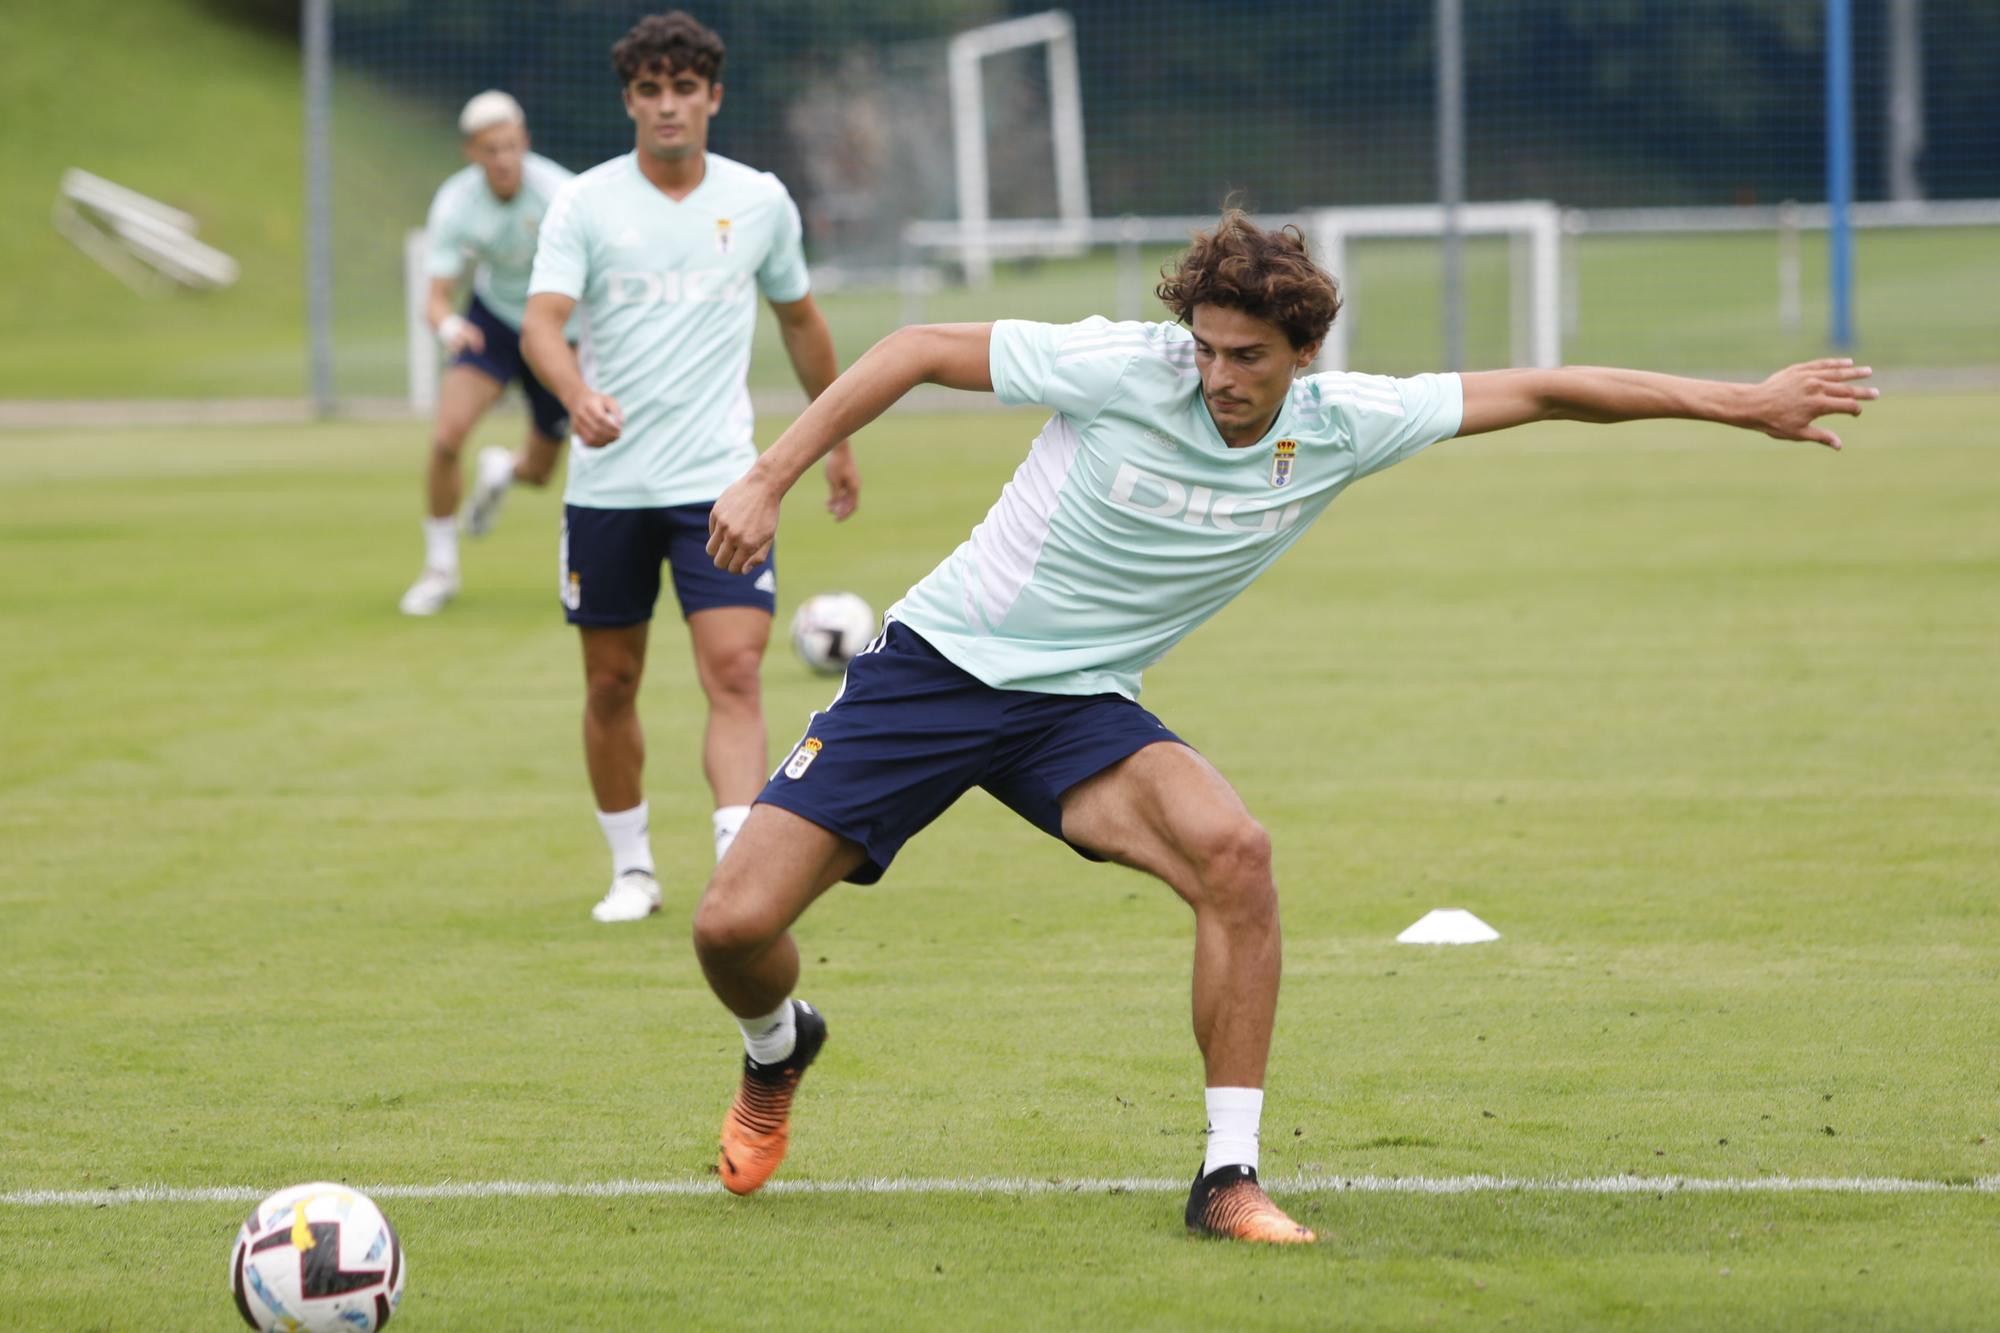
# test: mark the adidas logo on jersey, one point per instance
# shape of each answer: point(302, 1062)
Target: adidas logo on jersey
point(1149, 493)
point(694, 286)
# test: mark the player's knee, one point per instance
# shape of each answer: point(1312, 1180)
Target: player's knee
point(530, 471)
point(445, 446)
point(611, 688)
point(732, 677)
point(727, 926)
point(1234, 860)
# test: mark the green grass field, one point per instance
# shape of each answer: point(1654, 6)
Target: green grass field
point(292, 887)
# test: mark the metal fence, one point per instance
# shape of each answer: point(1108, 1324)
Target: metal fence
point(862, 108)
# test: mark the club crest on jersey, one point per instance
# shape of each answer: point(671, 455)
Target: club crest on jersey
point(802, 757)
point(1283, 454)
point(723, 240)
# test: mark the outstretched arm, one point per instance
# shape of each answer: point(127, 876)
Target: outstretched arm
point(745, 518)
point(1785, 406)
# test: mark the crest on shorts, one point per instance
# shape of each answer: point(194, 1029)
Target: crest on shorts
point(723, 240)
point(802, 757)
point(1282, 456)
point(572, 592)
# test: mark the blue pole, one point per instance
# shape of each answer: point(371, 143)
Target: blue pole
point(1840, 170)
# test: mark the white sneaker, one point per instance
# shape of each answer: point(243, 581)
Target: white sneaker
point(633, 896)
point(491, 479)
point(427, 596)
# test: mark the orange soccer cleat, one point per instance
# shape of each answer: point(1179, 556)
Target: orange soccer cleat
point(1229, 1203)
point(759, 1123)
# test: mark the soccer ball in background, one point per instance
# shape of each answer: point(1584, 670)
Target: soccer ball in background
point(830, 628)
point(317, 1258)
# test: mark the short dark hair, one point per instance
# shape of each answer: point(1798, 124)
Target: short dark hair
point(1268, 274)
point(668, 44)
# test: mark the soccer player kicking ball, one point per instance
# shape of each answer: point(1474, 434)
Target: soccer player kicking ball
point(1179, 463)
point(665, 250)
point(485, 216)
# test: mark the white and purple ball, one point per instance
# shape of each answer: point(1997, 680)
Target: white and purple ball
point(829, 629)
point(319, 1258)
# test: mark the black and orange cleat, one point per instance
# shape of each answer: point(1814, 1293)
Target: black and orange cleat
point(1229, 1203)
point(759, 1123)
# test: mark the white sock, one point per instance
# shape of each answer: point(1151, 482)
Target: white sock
point(771, 1038)
point(441, 545)
point(626, 832)
point(1233, 1114)
point(728, 820)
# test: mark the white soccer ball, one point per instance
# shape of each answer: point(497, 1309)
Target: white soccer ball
point(829, 629)
point(319, 1258)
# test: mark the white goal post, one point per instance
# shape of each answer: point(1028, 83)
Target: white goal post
point(420, 338)
point(1533, 226)
point(1534, 229)
point(964, 56)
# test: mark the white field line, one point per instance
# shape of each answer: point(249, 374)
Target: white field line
point(1019, 1185)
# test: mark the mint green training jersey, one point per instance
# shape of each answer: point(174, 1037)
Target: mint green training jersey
point(469, 224)
point(1131, 522)
point(668, 292)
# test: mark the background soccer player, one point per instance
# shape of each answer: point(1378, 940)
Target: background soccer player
point(665, 249)
point(1180, 462)
point(485, 217)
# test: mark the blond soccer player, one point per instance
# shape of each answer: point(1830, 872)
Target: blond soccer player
point(483, 224)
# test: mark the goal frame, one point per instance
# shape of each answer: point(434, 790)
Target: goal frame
point(1534, 226)
point(965, 57)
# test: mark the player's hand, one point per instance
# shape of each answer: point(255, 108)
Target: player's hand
point(843, 482)
point(459, 334)
point(596, 418)
point(741, 525)
point(1786, 405)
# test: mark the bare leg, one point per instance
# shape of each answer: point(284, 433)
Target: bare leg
point(728, 652)
point(742, 934)
point(464, 396)
point(536, 462)
point(778, 865)
point(614, 748)
point(1167, 811)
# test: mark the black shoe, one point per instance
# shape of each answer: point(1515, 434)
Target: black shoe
point(1229, 1203)
point(810, 1026)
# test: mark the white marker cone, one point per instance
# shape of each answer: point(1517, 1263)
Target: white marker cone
point(1448, 925)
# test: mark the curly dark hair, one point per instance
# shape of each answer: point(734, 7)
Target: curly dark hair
point(1268, 274)
point(668, 44)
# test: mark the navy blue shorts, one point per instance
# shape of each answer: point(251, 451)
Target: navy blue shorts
point(909, 733)
point(611, 565)
point(501, 360)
